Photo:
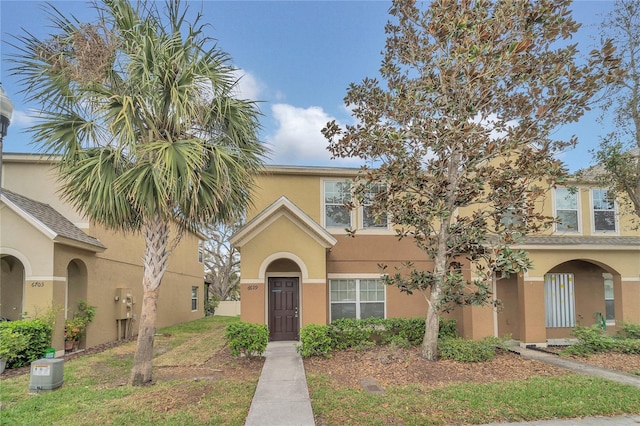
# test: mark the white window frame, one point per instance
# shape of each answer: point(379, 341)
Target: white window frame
point(357, 302)
point(194, 298)
point(578, 215)
point(372, 229)
point(593, 210)
point(335, 229)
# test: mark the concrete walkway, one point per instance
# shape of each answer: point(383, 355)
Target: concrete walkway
point(282, 397)
point(578, 367)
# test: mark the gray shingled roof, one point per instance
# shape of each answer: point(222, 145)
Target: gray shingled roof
point(51, 219)
point(580, 240)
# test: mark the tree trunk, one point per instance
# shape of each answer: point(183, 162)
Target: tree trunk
point(141, 370)
point(155, 264)
point(431, 329)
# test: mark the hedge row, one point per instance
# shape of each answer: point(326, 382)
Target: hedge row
point(37, 334)
point(593, 339)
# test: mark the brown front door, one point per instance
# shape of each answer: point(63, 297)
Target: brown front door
point(283, 308)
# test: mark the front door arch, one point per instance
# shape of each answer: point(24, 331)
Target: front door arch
point(284, 302)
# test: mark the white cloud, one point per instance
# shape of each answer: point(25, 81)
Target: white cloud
point(23, 119)
point(297, 139)
point(248, 87)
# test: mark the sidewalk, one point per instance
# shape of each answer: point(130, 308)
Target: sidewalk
point(578, 367)
point(282, 397)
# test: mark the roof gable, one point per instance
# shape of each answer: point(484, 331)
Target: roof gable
point(49, 221)
point(283, 207)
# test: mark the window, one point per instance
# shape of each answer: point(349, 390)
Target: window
point(559, 300)
point(369, 219)
point(357, 298)
point(200, 251)
point(566, 210)
point(610, 313)
point(194, 298)
point(604, 211)
point(336, 213)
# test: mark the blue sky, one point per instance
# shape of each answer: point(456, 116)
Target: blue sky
point(296, 57)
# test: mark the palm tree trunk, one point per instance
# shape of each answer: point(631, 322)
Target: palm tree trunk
point(141, 372)
point(155, 264)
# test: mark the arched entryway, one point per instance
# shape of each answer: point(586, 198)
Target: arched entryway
point(579, 292)
point(11, 287)
point(76, 289)
point(283, 298)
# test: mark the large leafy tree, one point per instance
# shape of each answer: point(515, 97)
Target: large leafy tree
point(140, 108)
point(619, 153)
point(222, 262)
point(463, 135)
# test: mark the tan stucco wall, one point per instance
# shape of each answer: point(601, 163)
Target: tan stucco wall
point(283, 236)
point(119, 266)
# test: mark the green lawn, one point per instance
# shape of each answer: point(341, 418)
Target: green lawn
point(95, 392)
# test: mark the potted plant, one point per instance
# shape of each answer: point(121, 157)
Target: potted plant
point(11, 344)
point(76, 327)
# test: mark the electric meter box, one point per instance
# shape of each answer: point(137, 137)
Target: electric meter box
point(46, 374)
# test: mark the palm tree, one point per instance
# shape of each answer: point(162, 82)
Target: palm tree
point(141, 108)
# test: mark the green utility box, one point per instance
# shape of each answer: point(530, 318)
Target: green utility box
point(46, 374)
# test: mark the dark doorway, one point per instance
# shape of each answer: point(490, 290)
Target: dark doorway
point(283, 308)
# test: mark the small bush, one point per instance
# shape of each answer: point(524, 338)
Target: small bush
point(38, 336)
point(399, 342)
point(349, 333)
point(629, 330)
point(590, 340)
point(628, 346)
point(464, 350)
point(316, 340)
point(447, 328)
point(247, 338)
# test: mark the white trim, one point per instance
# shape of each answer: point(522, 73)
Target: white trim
point(536, 279)
point(46, 278)
point(251, 281)
point(279, 208)
point(314, 281)
point(262, 272)
point(350, 275)
point(630, 279)
point(589, 247)
point(21, 257)
point(29, 218)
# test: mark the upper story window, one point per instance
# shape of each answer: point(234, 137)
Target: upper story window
point(200, 251)
point(369, 218)
point(336, 195)
point(604, 211)
point(566, 203)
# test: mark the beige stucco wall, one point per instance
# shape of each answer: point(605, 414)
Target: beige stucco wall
point(120, 266)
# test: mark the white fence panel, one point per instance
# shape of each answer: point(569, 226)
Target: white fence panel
point(228, 308)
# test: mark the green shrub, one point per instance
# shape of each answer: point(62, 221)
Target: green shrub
point(37, 334)
point(399, 342)
point(629, 330)
point(210, 305)
point(590, 340)
point(628, 346)
point(448, 328)
point(247, 338)
point(12, 344)
point(316, 340)
point(465, 350)
point(349, 333)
